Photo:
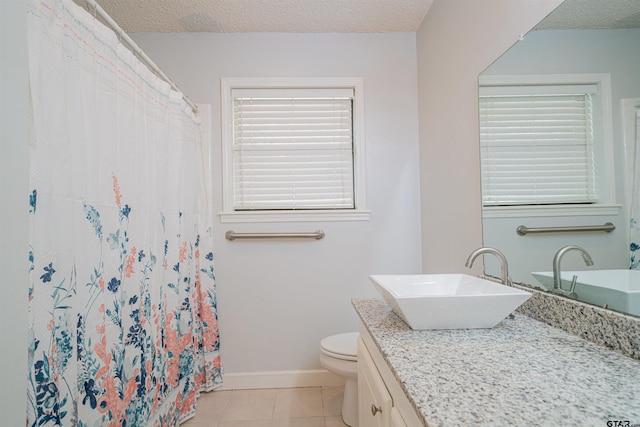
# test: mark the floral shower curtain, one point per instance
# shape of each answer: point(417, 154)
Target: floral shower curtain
point(634, 227)
point(123, 319)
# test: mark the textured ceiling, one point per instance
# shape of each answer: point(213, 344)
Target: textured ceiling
point(593, 14)
point(333, 16)
point(299, 16)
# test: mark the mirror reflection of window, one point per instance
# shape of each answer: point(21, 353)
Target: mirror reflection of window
point(542, 138)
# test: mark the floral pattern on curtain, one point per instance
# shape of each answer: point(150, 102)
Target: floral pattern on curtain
point(634, 226)
point(123, 321)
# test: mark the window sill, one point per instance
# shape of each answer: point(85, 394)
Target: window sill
point(295, 216)
point(548, 211)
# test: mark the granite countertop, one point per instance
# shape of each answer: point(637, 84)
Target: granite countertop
point(521, 372)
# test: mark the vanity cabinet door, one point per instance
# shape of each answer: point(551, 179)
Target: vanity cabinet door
point(374, 400)
point(396, 418)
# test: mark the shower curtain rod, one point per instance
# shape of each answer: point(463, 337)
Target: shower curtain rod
point(136, 49)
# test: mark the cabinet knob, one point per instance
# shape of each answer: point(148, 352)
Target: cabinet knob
point(375, 409)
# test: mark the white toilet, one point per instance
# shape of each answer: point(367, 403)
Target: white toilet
point(338, 354)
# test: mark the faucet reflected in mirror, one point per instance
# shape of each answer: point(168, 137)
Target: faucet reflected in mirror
point(557, 281)
point(551, 50)
point(504, 267)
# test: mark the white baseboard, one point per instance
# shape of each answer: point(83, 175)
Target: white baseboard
point(280, 379)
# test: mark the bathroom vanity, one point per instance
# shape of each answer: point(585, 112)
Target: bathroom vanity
point(521, 372)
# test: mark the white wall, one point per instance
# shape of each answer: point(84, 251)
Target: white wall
point(14, 185)
point(277, 299)
point(559, 52)
point(456, 41)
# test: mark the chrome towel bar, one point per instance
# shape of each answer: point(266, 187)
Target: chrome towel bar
point(232, 235)
point(607, 228)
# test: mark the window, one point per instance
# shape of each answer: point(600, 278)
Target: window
point(293, 150)
point(545, 141)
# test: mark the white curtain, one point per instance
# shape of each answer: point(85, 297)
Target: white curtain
point(634, 226)
point(123, 317)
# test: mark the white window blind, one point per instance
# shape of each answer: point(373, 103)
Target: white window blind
point(292, 152)
point(537, 145)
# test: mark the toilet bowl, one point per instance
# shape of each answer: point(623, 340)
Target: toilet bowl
point(338, 354)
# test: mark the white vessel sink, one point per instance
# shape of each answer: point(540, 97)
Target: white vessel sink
point(448, 301)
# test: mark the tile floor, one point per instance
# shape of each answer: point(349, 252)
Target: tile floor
point(286, 407)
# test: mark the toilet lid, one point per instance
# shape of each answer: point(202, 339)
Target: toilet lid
point(345, 344)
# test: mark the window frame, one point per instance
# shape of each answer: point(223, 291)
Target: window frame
point(228, 214)
point(606, 191)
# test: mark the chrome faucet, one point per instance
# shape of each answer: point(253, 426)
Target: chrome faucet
point(557, 280)
point(504, 268)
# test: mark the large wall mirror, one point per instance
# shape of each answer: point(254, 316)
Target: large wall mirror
point(558, 124)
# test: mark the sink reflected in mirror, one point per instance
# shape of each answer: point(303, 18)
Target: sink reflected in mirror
point(448, 301)
point(615, 289)
point(580, 47)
